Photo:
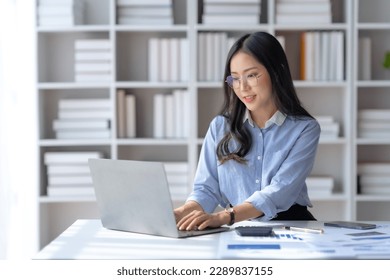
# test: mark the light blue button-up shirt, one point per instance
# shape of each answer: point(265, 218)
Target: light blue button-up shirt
point(273, 178)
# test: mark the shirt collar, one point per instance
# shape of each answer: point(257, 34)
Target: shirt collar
point(277, 118)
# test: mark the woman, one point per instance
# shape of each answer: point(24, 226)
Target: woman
point(259, 151)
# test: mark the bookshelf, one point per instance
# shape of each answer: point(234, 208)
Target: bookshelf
point(339, 99)
point(371, 92)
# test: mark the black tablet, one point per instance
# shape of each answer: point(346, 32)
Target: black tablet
point(352, 225)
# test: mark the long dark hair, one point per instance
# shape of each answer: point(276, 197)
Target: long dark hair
point(267, 50)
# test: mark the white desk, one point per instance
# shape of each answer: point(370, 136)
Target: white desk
point(87, 239)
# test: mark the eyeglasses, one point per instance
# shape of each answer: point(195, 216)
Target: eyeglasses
point(235, 82)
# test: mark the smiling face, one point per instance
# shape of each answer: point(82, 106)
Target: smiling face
point(257, 98)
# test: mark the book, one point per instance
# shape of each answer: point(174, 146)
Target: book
point(229, 18)
point(53, 191)
point(184, 60)
point(243, 2)
point(121, 112)
point(202, 56)
point(310, 7)
point(70, 157)
point(303, 18)
point(83, 134)
point(324, 119)
point(326, 54)
point(131, 124)
point(69, 179)
point(93, 56)
point(330, 130)
point(57, 10)
point(84, 114)
point(144, 2)
point(374, 134)
point(169, 118)
point(374, 114)
point(164, 60)
point(375, 190)
point(68, 169)
point(79, 124)
point(374, 168)
point(339, 55)
point(150, 11)
point(95, 67)
point(158, 116)
point(232, 8)
point(154, 59)
point(145, 20)
point(92, 44)
point(375, 179)
point(320, 182)
point(84, 103)
point(364, 58)
point(59, 2)
point(179, 109)
point(59, 21)
point(174, 55)
point(93, 77)
point(308, 56)
point(373, 125)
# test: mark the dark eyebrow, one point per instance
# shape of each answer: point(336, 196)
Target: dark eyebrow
point(246, 70)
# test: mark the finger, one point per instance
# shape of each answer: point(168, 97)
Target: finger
point(197, 222)
point(183, 220)
point(186, 220)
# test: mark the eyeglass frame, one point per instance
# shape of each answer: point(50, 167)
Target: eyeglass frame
point(241, 79)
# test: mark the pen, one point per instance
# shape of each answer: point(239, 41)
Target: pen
point(309, 230)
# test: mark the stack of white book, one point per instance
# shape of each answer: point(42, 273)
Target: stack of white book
point(68, 173)
point(374, 123)
point(93, 60)
point(374, 178)
point(177, 177)
point(148, 12)
point(170, 115)
point(213, 48)
point(168, 59)
point(303, 11)
point(60, 12)
point(319, 185)
point(322, 56)
point(126, 117)
point(329, 127)
point(83, 119)
point(231, 12)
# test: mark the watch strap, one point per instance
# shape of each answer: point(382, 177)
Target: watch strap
point(232, 214)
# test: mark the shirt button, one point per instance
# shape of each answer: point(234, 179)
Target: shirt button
point(257, 181)
point(259, 157)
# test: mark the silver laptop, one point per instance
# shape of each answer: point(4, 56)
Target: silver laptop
point(134, 196)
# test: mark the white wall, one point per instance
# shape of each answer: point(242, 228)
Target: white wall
point(18, 130)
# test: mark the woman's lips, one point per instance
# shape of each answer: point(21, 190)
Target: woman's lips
point(249, 98)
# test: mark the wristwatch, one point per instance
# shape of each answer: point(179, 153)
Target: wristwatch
point(229, 209)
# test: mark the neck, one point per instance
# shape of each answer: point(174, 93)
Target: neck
point(261, 118)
